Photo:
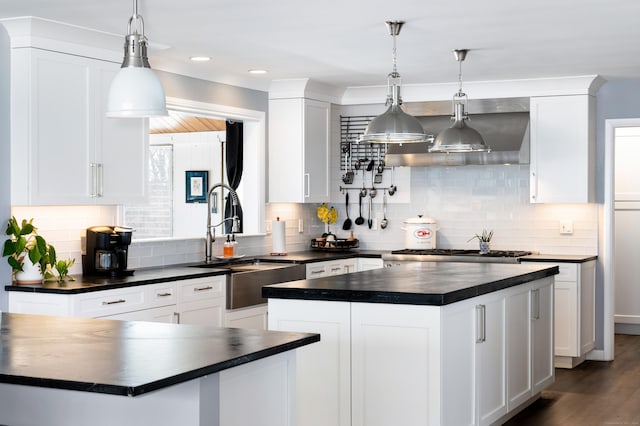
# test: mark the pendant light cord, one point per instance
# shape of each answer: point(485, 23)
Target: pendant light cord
point(395, 56)
point(137, 20)
point(460, 76)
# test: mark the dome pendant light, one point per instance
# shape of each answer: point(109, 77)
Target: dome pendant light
point(394, 125)
point(136, 90)
point(459, 137)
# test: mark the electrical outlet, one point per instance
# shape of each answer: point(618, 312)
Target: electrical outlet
point(566, 227)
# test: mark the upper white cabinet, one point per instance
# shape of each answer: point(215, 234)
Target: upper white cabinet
point(299, 150)
point(67, 150)
point(562, 149)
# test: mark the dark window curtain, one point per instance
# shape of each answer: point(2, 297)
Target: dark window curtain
point(233, 161)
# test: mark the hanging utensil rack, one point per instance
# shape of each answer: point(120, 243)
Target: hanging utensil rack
point(351, 128)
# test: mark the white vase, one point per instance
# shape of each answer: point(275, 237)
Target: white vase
point(30, 274)
point(484, 247)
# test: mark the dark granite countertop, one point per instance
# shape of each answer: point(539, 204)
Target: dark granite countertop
point(420, 283)
point(83, 284)
point(123, 357)
point(559, 258)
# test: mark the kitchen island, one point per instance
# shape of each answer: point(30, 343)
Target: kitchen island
point(420, 344)
point(76, 371)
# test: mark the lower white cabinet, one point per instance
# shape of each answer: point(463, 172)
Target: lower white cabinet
point(164, 314)
point(341, 266)
point(574, 312)
point(368, 263)
point(530, 337)
point(192, 301)
point(253, 317)
point(323, 370)
point(473, 362)
point(201, 301)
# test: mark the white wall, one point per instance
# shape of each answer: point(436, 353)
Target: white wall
point(465, 200)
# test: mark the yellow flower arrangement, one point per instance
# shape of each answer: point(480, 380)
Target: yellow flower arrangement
point(327, 215)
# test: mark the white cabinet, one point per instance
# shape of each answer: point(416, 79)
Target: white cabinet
point(193, 301)
point(97, 304)
point(468, 363)
point(323, 371)
point(330, 267)
point(201, 301)
point(254, 317)
point(542, 340)
point(341, 266)
point(395, 356)
point(368, 263)
point(299, 150)
point(164, 314)
point(491, 358)
point(529, 323)
point(473, 364)
point(562, 149)
point(69, 152)
point(574, 312)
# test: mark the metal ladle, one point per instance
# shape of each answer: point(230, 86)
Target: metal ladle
point(392, 187)
point(384, 222)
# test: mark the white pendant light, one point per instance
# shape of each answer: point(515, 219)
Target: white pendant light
point(459, 137)
point(394, 125)
point(136, 90)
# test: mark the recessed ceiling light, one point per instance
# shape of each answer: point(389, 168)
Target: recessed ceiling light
point(200, 58)
point(258, 71)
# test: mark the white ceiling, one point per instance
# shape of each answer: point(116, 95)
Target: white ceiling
point(345, 43)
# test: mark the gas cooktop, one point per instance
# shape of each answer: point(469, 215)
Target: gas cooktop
point(456, 252)
point(455, 255)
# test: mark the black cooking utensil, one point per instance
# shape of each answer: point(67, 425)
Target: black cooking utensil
point(360, 219)
point(347, 222)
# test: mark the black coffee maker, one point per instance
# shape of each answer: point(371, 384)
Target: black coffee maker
point(106, 249)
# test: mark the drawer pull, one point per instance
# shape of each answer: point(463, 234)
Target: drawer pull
point(317, 272)
point(113, 302)
point(164, 294)
point(203, 288)
point(336, 269)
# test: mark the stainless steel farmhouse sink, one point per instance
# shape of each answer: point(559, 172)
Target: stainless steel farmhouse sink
point(245, 282)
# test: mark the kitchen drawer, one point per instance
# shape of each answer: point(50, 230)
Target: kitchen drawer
point(317, 270)
point(111, 302)
point(568, 272)
point(201, 288)
point(162, 294)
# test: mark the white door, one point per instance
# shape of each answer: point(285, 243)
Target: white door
point(627, 226)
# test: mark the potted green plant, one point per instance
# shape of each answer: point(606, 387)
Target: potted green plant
point(484, 240)
point(28, 253)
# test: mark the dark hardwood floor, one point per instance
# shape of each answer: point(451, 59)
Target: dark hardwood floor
point(594, 393)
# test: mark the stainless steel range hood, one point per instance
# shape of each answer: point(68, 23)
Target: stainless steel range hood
point(503, 123)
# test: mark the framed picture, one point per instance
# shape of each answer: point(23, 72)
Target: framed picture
point(197, 186)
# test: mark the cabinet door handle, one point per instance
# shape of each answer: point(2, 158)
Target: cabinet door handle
point(481, 323)
point(100, 170)
point(94, 187)
point(533, 182)
point(307, 187)
point(176, 315)
point(113, 302)
point(203, 288)
point(164, 294)
point(535, 300)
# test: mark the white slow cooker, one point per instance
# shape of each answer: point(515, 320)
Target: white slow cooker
point(420, 233)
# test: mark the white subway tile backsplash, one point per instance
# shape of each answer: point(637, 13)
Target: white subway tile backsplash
point(463, 200)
